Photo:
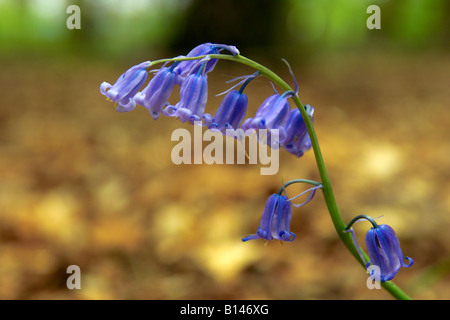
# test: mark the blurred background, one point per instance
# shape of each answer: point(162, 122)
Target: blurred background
point(81, 184)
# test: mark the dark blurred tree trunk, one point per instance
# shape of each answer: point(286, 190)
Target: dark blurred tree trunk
point(244, 23)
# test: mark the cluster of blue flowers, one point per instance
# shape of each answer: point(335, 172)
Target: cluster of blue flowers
point(191, 76)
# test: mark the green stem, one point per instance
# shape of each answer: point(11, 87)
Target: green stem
point(287, 184)
point(362, 216)
point(327, 190)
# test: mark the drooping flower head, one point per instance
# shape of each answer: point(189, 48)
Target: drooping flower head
point(155, 96)
point(275, 220)
point(192, 66)
point(297, 139)
point(126, 86)
point(384, 250)
point(230, 113)
point(271, 115)
point(232, 109)
point(276, 217)
point(193, 97)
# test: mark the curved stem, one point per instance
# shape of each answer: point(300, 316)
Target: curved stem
point(247, 81)
point(327, 190)
point(362, 216)
point(287, 184)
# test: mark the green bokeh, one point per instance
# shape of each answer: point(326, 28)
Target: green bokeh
point(121, 27)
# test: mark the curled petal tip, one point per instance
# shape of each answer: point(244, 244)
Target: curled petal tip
point(409, 264)
point(250, 237)
point(126, 107)
point(139, 98)
point(232, 49)
point(104, 87)
point(155, 115)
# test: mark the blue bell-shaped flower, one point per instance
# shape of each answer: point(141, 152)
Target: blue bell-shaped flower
point(271, 115)
point(126, 86)
point(297, 139)
point(384, 251)
point(155, 96)
point(193, 97)
point(275, 220)
point(192, 66)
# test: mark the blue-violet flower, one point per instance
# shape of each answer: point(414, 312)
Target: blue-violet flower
point(271, 115)
point(384, 251)
point(232, 109)
point(193, 97)
point(230, 113)
point(155, 96)
point(297, 139)
point(192, 66)
point(275, 221)
point(126, 86)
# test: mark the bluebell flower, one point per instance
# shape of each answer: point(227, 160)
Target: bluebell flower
point(192, 66)
point(232, 109)
point(193, 97)
point(271, 115)
point(155, 96)
point(297, 139)
point(128, 84)
point(230, 113)
point(275, 220)
point(384, 251)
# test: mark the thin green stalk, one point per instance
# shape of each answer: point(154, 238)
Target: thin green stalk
point(327, 190)
point(317, 185)
point(361, 216)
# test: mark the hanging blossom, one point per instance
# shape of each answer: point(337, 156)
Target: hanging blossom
point(384, 250)
point(154, 97)
point(193, 96)
point(271, 115)
point(297, 139)
point(277, 214)
point(232, 109)
point(275, 221)
point(190, 66)
point(128, 84)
